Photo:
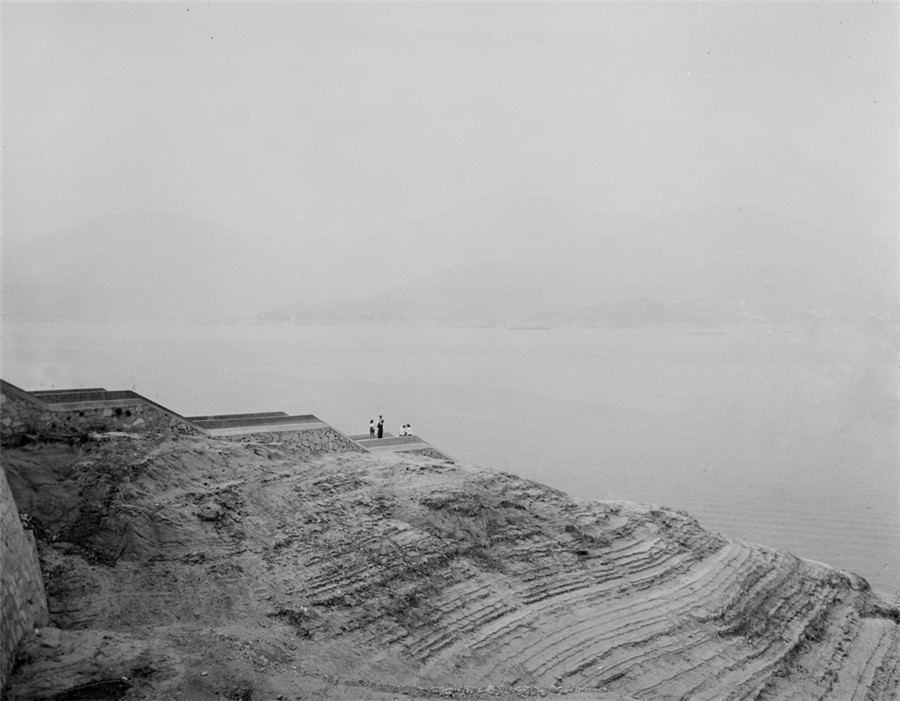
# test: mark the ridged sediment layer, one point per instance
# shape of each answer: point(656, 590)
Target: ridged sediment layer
point(406, 574)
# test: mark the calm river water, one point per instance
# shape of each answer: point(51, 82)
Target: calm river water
point(783, 438)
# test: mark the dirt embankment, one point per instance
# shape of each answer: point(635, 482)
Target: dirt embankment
point(200, 569)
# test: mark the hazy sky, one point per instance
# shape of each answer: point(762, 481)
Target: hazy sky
point(308, 120)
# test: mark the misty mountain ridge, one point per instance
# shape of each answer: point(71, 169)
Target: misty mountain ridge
point(501, 258)
point(722, 265)
point(136, 266)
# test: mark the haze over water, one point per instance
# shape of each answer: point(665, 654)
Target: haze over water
point(780, 437)
point(727, 167)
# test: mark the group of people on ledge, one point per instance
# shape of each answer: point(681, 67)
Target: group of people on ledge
point(376, 430)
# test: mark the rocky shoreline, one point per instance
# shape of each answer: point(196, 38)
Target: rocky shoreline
point(196, 568)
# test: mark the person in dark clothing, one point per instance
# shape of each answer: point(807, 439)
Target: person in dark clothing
point(380, 426)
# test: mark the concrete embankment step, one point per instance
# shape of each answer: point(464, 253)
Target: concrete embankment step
point(278, 424)
point(258, 421)
point(233, 417)
point(398, 444)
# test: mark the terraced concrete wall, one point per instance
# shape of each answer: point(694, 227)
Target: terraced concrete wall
point(22, 414)
point(309, 442)
point(24, 603)
point(429, 453)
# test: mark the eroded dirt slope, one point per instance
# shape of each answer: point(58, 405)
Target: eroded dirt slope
point(199, 569)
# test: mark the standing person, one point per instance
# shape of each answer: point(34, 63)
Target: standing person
point(380, 425)
point(371, 428)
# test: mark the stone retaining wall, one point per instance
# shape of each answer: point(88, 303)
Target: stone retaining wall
point(22, 414)
point(308, 442)
point(23, 602)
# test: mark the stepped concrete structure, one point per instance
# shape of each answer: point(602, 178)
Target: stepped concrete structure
point(70, 413)
point(73, 412)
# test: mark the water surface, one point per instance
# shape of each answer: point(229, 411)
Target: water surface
point(779, 437)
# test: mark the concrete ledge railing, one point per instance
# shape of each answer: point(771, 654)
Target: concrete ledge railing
point(48, 395)
point(254, 420)
point(233, 417)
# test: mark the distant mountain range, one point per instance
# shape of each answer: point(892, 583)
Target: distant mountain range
point(502, 259)
point(571, 267)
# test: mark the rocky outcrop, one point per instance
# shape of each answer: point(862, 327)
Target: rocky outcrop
point(209, 569)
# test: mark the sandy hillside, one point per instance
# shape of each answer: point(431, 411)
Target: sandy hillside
point(200, 569)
